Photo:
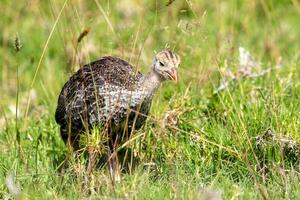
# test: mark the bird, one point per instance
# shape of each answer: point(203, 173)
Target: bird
point(111, 93)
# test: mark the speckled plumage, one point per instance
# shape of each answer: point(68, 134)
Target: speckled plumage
point(105, 91)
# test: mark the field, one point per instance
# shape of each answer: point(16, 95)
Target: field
point(228, 129)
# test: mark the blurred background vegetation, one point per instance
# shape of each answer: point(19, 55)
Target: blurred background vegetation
point(196, 142)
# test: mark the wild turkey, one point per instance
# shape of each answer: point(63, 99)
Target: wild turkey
point(109, 92)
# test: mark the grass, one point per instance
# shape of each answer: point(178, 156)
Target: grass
point(195, 140)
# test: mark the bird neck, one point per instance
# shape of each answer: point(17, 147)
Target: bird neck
point(151, 82)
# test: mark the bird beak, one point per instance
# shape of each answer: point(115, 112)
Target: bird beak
point(174, 75)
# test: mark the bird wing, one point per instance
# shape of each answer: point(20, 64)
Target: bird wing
point(98, 89)
point(115, 71)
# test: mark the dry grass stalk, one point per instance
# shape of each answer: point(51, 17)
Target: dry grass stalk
point(248, 68)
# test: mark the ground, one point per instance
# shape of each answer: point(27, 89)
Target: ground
point(229, 127)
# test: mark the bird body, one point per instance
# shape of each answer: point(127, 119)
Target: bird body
point(111, 93)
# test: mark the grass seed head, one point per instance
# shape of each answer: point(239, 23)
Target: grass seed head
point(17, 44)
point(83, 34)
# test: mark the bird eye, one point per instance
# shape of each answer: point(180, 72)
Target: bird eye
point(161, 64)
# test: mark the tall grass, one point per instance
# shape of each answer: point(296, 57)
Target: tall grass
point(195, 141)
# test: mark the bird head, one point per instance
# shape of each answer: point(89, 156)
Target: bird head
point(166, 64)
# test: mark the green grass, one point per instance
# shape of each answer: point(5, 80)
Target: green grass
point(213, 144)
